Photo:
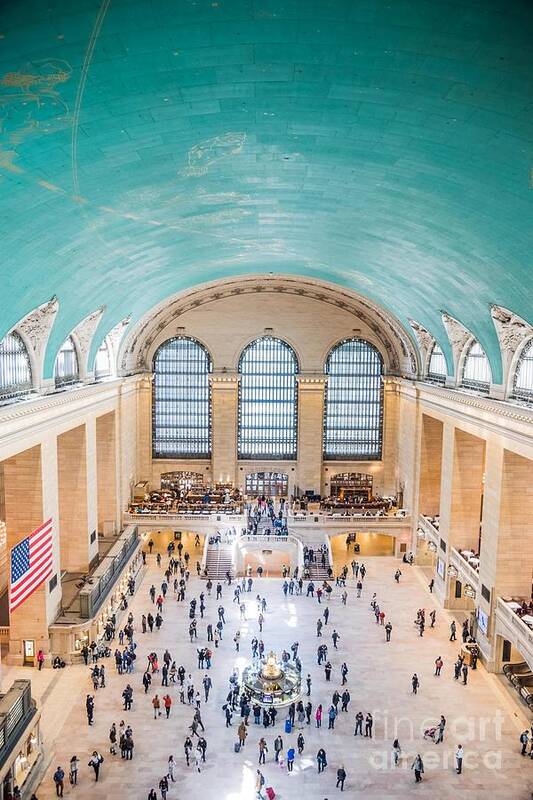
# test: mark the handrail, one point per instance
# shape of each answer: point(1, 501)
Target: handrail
point(462, 565)
point(506, 615)
point(92, 595)
point(429, 529)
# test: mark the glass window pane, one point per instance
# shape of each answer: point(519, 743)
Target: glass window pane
point(437, 365)
point(476, 371)
point(268, 400)
point(102, 365)
point(181, 421)
point(15, 370)
point(66, 368)
point(353, 412)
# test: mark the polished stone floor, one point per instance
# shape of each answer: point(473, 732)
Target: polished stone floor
point(480, 715)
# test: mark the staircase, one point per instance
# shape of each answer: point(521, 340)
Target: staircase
point(316, 570)
point(219, 559)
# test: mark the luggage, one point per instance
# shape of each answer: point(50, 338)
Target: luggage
point(271, 794)
point(288, 726)
point(237, 747)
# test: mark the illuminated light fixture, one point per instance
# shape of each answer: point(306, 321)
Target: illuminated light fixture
point(421, 534)
point(432, 546)
point(469, 591)
point(452, 572)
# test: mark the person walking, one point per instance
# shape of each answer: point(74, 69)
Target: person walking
point(388, 631)
point(368, 725)
point(418, 767)
point(321, 760)
point(259, 783)
point(359, 717)
point(156, 703)
point(464, 670)
point(459, 755)
point(167, 702)
point(318, 715)
point(453, 631)
point(396, 752)
point(171, 768)
point(278, 747)
point(73, 770)
point(59, 777)
point(524, 739)
point(290, 759)
point(96, 762)
point(438, 666)
point(431, 585)
point(415, 683)
point(341, 777)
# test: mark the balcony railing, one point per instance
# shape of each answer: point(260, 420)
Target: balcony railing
point(467, 572)
point(430, 531)
point(513, 628)
point(93, 595)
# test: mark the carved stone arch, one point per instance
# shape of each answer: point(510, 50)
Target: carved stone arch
point(82, 336)
point(512, 332)
point(425, 342)
point(34, 330)
point(402, 356)
point(460, 340)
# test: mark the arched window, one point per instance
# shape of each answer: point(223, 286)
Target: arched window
point(437, 364)
point(476, 371)
point(102, 364)
point(267, 400)
point(353, 412)
point(181, 411)
point(523, 382)
point(15, 369)
point(66, 369)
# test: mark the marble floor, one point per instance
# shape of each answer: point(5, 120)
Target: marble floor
point(480, 715)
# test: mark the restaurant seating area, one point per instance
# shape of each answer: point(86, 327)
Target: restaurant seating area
point(196, 500)
point(522, 608)
point(470, 557)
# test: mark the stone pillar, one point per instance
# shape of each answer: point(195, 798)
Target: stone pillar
point(106, 471)
point(144, 428)
point(224, 413)
point(74, 520)
point(430, 466)
point(506, 563)
point(463, 466)
point(92, 488)
point(310, 425)
point(24, 512)
point(391, 402)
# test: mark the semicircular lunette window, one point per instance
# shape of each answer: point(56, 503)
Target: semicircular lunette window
point(437, 365)
point(66, 368)
point(268, 400)
point(181, 408)
point(523, 382)
point(15, 369)
point(476, 371)
point(353, 411)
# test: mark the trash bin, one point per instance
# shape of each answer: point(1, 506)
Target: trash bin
point(288, 726)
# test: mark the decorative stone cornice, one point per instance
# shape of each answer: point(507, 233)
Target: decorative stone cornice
point(318, 380)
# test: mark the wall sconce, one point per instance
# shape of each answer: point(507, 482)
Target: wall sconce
point(469, 591)
point(432, 547)
point(452, 572)
point(420, 533)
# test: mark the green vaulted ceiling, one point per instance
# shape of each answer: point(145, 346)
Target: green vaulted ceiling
point(150, 145)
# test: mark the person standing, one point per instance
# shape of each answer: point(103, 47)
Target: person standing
point(440, 730)
point(438, 665)
point(418, 767)
point(341, 777)
point(368, 725)
point(167, 700)
point(524, 738)
point(171, 768)
point(263, 749)
point(321, 760)
point(59, 777)
point(359, 723)
point(278, 747)
point(432, 615)
point(242, 733)
point(290, 759)
point(259, 783)
point(431, 585)
point(459, 755)
point(396, 752)
point(415, 683)
point(388, 631)
point(453, 630)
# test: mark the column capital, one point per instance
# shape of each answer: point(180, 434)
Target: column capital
point(224, 379)
point(312, 380)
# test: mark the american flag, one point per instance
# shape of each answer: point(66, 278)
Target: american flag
point(31, 564)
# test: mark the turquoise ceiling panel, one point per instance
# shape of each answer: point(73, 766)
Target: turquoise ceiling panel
point(149, 146)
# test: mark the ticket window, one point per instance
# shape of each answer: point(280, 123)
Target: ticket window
point(29, 652)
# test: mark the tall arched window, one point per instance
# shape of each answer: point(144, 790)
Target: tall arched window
point(66, 368)
point(268, 400)
point(437, 365)
point(353, 412)
point(15, 369)
point(476, 371)
point(523, 382)
point(181, 409)
point(102, 364)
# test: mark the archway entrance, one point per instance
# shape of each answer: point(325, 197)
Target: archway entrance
point(270, 559)
point(161, 538)
point(370, 544)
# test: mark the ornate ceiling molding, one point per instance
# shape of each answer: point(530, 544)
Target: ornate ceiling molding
point(401, 353)
point(459, 336)
point(83, 335)
point(36, 326)
point(425, 342)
